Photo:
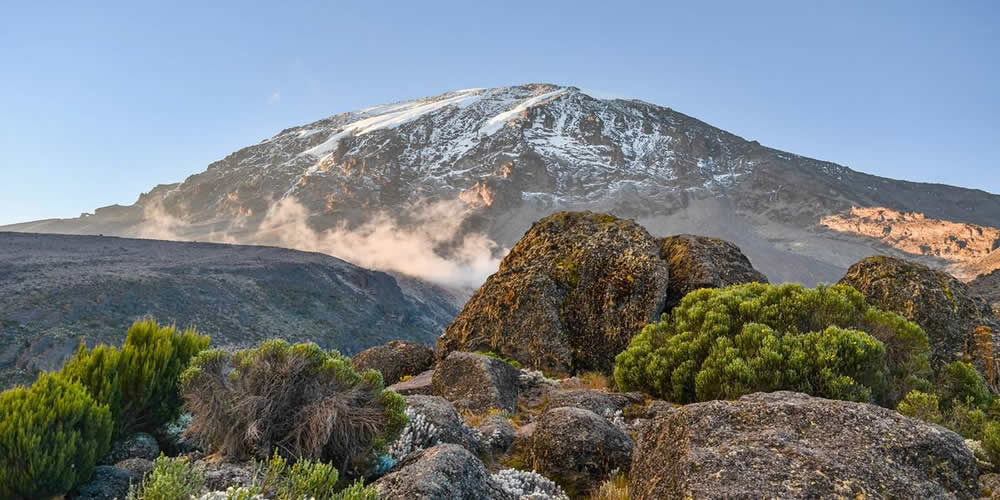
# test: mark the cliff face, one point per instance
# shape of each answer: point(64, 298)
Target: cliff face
point(972, 248)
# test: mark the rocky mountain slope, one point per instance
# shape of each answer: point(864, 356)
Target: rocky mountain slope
point(57, 290)
point(501, 158)
point(972, 249)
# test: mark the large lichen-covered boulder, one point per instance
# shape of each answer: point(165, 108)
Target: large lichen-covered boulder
point(395, 360)
point(568, 297)
point(703, 262)
point(578, 449)
point(790, 445)
point(442, 472)
point(477, 383)
point(940, 304)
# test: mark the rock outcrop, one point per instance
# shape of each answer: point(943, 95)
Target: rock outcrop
point(476, 382)
point(703, 262)
point(568, 297)
point(578, 448)
point(395, 360)
point(108, 483)
point(419, 384)
point(987, 286)
point(443, 472)
point(943, 306)
point(790, 445)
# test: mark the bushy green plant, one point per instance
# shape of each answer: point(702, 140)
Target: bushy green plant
point(174, 478)
point(922, 406)
point(295, 400)
point(991, 441)
point(960, 382)
point(966, 420)
point(138, 382)
point(723, 343)
point(51, 435)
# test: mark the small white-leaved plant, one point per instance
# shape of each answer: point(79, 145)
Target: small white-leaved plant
point(528, 485)
point(417, 435)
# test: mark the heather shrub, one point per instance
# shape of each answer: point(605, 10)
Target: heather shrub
point(303, 480)
point(991, 441)
point(295, 400)
point(724, 343)
point(960, 382)
point(51, 435)
point(171, 479)
point(138, 382)
point(922, 406)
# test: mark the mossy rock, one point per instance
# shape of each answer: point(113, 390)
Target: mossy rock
point(702, 262)
point(568, 297)
point(940, 304)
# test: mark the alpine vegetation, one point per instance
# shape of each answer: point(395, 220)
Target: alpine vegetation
point(529, 485)
point(417, 435)
point(298, 401)
point(828, 342)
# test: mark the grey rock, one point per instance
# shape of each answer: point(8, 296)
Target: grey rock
point(703, 262)
point(477, 383)
point(790, 445)
point(395, 360)
point(108, 483)
point(222, 475)
point(138, 445)
point(498, 433)
point(443, 415)
point(442, 472)
point(578, 448)
point(419, 384)
point(594, 400)
point(138, 467)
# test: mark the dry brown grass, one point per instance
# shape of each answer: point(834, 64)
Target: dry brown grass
point(294, 400)
point(615, 488)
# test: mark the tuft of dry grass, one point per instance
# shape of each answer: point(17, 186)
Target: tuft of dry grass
point(614, 488)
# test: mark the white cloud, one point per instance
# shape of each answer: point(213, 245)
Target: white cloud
point(275, 98)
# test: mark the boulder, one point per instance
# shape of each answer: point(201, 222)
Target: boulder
point(943, 306)
point(108, 483)
point(395, 360)
point(138, 467)
point(599, 402)
point(221, 475)
point(987, 286)
point(702, 262)
point(568, 297)
point(419, 384)
point(578, 449)
point(442, 415)
point(138, 445)
point(476, 382)
point(442, 472)
point(498, 434)
point(791, 445)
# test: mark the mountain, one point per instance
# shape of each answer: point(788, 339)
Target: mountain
point(56, 290)
point(459, 177)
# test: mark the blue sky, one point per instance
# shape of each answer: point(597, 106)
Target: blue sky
point(98, 104)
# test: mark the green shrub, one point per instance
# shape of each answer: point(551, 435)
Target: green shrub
point(991, 441)
point(171, 479)
point(51, 435)
point(723, 343)
point(921, 405)
point(139, 382)
point(960, 382)
point(966, 420)
point(295, 400)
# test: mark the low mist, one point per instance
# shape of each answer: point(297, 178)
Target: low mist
point(382, 242)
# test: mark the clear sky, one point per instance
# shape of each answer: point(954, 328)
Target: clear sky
point(100, 101)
